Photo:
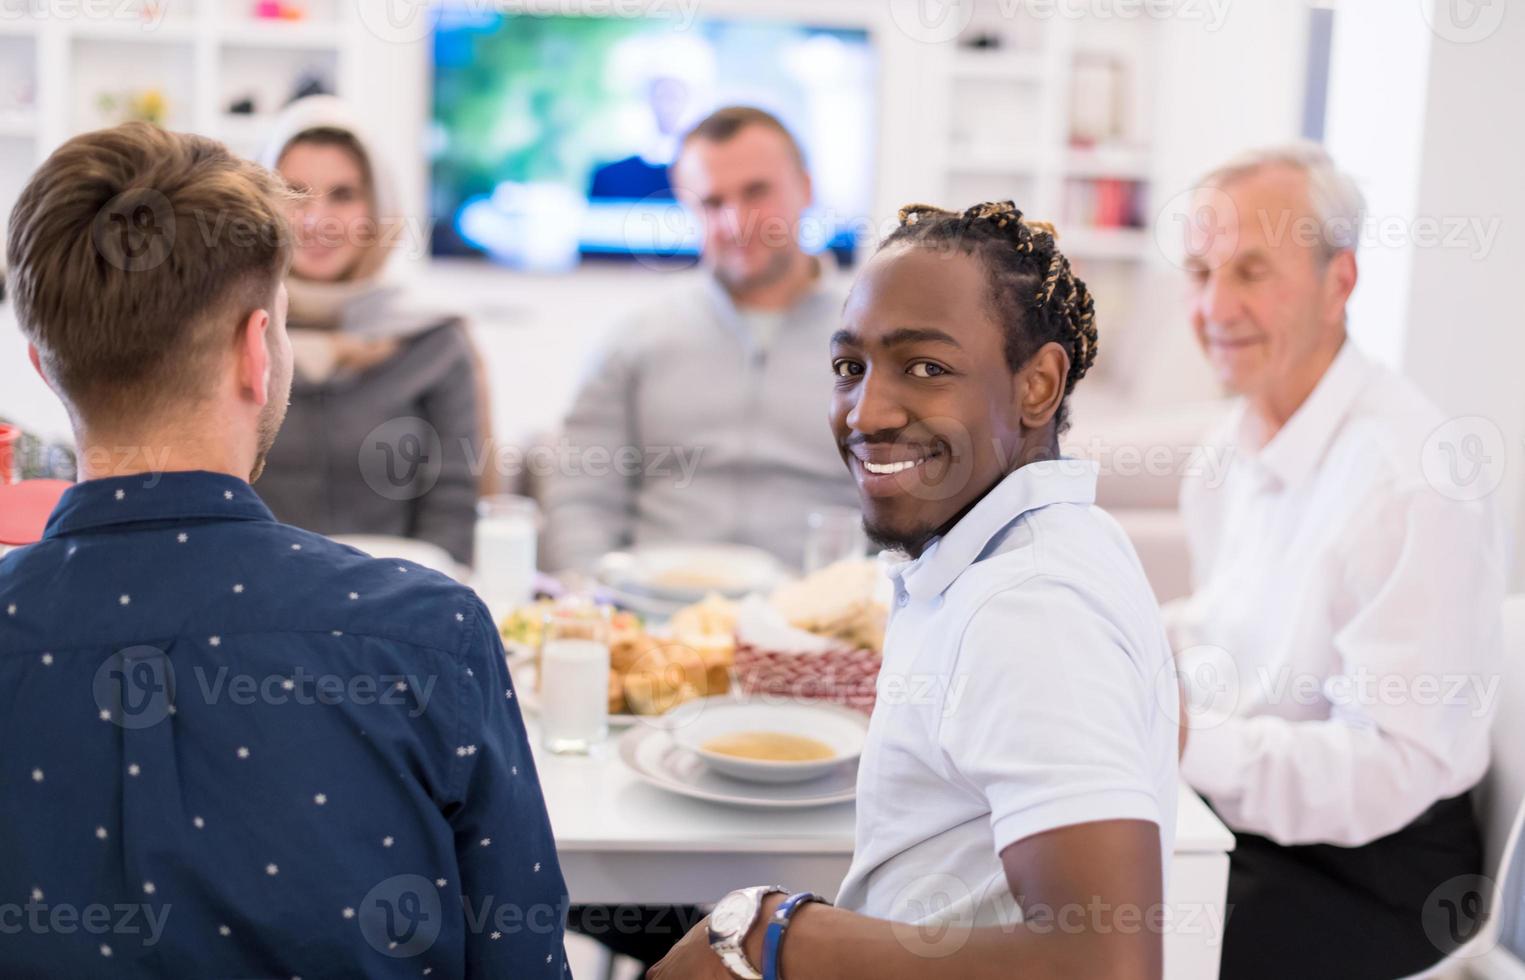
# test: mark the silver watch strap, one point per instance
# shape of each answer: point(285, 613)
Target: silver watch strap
point(729, 947)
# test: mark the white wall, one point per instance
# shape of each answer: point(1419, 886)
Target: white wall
point(1418, 108)
point(1375, 129)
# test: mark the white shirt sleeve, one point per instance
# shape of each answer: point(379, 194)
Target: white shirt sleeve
point(1419, 636)
point(1061, 733)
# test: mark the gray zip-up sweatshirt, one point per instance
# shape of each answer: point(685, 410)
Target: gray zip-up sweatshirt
point(688, 430)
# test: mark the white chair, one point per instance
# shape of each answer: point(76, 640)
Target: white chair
point(1498, 951)
point(1484, 957)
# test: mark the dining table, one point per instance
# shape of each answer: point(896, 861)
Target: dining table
point(622, 841)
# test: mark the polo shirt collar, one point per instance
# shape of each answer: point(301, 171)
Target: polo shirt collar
point(1296, 449)
point(1028, 488)
point(146, 497)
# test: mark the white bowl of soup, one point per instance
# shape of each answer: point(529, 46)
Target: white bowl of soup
point(769, 742)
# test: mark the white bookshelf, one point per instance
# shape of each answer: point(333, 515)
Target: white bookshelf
point(1007, 129)
point(201, 55)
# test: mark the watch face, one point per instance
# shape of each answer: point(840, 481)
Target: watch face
point(731, 914)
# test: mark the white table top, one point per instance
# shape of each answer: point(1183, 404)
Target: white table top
point(597, 804)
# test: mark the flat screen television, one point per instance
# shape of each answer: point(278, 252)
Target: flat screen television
point(552, 135)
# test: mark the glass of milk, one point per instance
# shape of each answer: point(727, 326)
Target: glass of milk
point(504, 572)
point(574, 676)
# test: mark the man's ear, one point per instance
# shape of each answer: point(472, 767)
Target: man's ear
point(36, 359)
point(1040, 387)
point(1340, 281)
point(253, 356)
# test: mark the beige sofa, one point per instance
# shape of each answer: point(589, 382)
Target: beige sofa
point(1143, 454)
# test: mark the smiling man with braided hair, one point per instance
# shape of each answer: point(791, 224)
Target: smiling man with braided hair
point(1017, 793)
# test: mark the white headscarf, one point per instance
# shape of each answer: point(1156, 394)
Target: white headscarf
point(379, 303)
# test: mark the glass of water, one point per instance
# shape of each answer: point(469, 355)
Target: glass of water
point(574, 676)
point(833, 534)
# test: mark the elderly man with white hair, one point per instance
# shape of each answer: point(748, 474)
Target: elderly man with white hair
point(1342, 643)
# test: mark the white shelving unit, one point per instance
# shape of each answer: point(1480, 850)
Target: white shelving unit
point(1014, 88)
point(201, 57)
point(1008, 125)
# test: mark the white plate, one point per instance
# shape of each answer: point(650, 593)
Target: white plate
point(695, 723)
point(687, 573)
point(651, 754)
point(526, 674)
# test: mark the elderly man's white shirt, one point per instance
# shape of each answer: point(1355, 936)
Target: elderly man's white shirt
point(1343, 640)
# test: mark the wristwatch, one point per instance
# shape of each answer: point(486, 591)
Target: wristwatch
point(732, 919)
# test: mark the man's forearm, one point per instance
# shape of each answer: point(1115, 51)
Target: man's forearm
point(826, 943)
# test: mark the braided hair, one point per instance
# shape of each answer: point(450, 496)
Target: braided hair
point(1034, 292)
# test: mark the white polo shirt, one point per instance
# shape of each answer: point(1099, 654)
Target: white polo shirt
point(1027, 685)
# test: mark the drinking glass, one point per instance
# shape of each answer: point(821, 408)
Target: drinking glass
point(504, 570)
point(833, 534)
point(574, 676)
point(10, 453)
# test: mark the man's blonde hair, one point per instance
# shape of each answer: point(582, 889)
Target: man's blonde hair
point(135, 256)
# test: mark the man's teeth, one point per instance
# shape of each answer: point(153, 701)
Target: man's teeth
point(879, 469)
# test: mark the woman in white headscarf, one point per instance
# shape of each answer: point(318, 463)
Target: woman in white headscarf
point(388, 411)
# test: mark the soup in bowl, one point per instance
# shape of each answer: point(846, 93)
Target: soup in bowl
point(769, 742)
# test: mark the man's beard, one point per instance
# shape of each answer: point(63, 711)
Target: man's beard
point(270, 419)
point(908, 541)
point(774, 272)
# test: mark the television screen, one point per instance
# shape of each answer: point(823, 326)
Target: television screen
point(552, 135)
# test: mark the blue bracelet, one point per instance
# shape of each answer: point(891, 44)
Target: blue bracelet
point(773, 939)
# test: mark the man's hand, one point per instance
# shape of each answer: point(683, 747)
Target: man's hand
point(691, 958)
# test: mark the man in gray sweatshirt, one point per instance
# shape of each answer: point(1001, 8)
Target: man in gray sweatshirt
point(710, 405)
